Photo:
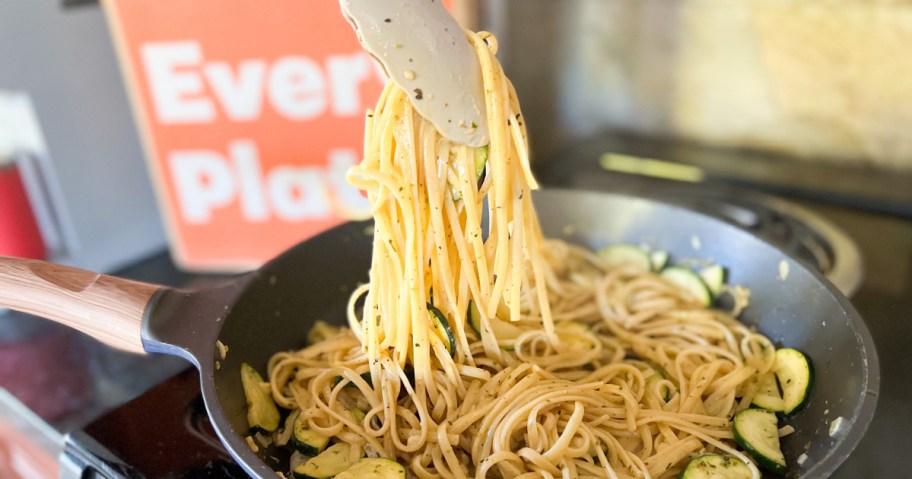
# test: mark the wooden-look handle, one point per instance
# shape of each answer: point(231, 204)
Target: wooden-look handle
point(107, 308)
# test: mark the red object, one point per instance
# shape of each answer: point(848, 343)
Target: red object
point(19, 233)
point(253, 112)
point(20, 458)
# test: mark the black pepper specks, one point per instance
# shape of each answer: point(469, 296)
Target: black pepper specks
point(419, 94)
point(388, 20)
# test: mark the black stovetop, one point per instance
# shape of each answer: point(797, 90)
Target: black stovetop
point(164, 433)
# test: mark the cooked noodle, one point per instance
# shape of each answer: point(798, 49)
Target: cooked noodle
point(616, 373)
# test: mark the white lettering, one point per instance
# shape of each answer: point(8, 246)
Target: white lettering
point(348, 200)
point(297, 88)
point(204, 182)
point(176, 89)
point(186, 89)
point(298, 193)
point(250, 178)
point(346, 73)
point(240, 96)
point(207, 181)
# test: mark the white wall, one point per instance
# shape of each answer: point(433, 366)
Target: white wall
point(816, 79)
point(63, 58)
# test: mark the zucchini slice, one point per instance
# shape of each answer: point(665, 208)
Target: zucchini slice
point(374, 468)
point(359, 415)
point(262, 412)
point(757, 432)
point(713, 277)
point(297, 459)
point(366, 376)
point(307, 440)
point(688, 281)
point(576, 334)
point(441, 328)
point(715, 466)
point(619, 254)
point(653, 375)
point(659, 260)
point(505, 331)
point(787, 387)
point(321, 331)
point(337, 458)
point(652, 382)
point(481, 162)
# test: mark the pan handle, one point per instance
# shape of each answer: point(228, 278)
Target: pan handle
point(109, 309)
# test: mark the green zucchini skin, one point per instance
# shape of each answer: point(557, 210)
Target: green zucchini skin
point(690, 282)
point(306, 440)
point(715, 466)
point(441, 328)
point(365, 376)
point(481, 163)
point(757, 432)
point(714, 278)
point(787, 387)
point(505, 331)
point(624, 253)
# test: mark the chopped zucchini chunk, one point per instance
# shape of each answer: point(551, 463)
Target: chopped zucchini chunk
point(359, 414)
point(688, 281)
point(713, 277)
point(653, 375)
point(619, 254)
point(481, 161)
point(576, 334)
point(374, 468)
point(441, 328)
point(714, 466)
point(321, 331)
point(297, 459)
point(262, 412)
point(505, 331)
point(366, 376)
point(307, 440)
point(787, 387)
point(659, 260)
point(329, 463)
point(757, 432)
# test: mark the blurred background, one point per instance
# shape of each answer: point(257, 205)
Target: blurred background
point(790, 119)
point(812, 81)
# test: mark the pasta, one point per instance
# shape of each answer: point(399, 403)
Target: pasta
point(606, 370)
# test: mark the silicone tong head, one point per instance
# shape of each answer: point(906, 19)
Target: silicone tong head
point(426, 53)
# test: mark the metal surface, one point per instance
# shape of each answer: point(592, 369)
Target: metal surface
point(810, 238)
point(793, 228)
point(272, 309)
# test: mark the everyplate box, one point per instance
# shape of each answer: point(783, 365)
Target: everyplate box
point(251, 112)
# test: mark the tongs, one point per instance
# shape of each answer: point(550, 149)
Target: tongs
point(426, 53)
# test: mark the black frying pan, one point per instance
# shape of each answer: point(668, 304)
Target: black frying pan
point(272, 309)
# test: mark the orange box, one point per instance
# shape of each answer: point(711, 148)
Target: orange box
point(250, 113)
